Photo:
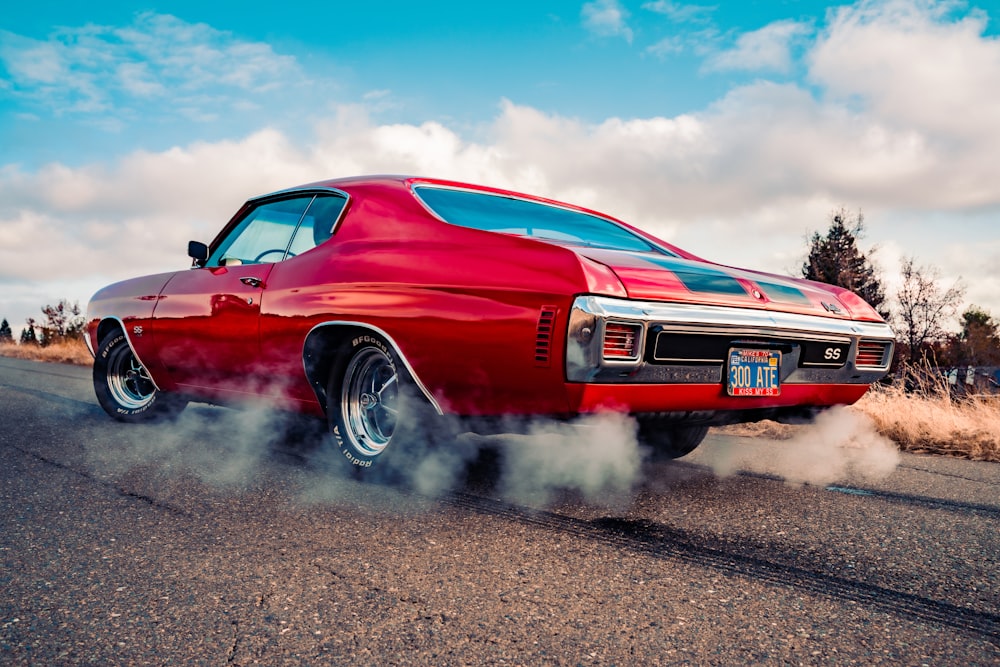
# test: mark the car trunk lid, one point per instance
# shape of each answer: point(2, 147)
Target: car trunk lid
point(660, 277)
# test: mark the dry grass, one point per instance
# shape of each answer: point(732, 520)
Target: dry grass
point(934, 422)
point(928, 422)
point(70, 352)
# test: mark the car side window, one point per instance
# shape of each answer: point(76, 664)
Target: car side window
point(317, 224)
point(263, 236)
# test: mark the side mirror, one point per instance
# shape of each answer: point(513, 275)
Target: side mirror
point(198, 251)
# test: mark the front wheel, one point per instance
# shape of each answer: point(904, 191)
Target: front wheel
point(124, 387)
point(670, 440)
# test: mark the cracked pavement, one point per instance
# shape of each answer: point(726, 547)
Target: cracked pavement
point(110, 559)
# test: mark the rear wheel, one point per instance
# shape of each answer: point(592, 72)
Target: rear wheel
point(124, 387)
point(373, 403)
point(670, 440)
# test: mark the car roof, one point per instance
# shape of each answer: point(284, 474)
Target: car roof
point(364, 186)
point(407, 182)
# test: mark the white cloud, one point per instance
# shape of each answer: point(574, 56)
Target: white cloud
point(667, 46)
point(680, 12)
point(766, 49)
point(606, 18)
point(158, 57)
point(912, 68)
point(138, 80)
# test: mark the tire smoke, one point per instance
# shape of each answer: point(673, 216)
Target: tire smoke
point(596, 456)
point(842, 445)
point(221, 447)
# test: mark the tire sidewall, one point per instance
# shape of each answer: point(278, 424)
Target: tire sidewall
point(110, 346)
point(336, 411)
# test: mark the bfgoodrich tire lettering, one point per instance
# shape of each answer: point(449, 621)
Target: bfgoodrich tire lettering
point(373, 403)
point(123, 385)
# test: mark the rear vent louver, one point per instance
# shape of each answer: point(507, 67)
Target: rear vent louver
point(873, 354)
point(543, 335)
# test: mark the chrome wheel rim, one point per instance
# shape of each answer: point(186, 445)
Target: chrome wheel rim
point(128, 380)
point(370, 401)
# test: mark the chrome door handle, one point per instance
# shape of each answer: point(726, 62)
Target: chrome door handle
point(252, 282)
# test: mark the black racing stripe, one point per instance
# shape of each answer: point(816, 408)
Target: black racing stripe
point(699, 278)
point(785, 293)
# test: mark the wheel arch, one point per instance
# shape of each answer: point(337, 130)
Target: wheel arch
point(112, 323)
point(106, 326)
point(326, 341)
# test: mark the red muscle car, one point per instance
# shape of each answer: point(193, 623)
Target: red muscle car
point(382, 302)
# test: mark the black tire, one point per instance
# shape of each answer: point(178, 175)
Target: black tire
point(373, 405)
point(670, 440)
point(123, 386)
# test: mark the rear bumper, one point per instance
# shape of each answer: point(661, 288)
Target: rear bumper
point(709, 403)
point(587, 361)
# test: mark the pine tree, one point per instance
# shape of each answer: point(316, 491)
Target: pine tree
point(28, 336)
point(979, 338)
point(836, 259)
point(6, 335)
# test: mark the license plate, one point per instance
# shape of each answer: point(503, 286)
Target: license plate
point(754, 372)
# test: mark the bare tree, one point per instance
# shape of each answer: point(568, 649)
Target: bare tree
point(63, 322)
point(924, 307)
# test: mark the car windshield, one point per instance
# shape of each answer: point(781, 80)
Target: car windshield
point(508, 215)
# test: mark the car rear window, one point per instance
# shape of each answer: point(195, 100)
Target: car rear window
point(522, 217)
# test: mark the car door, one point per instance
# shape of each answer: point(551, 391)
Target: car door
point(297, 289)
point(206, 323)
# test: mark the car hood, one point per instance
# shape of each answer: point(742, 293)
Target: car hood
point(660, 277)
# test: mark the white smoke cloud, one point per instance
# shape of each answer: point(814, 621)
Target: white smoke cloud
point(842, 445)
point(596, 456)
point(222, 447)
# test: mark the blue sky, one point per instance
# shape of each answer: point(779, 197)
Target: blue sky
point(730, 128)
point(451, 62)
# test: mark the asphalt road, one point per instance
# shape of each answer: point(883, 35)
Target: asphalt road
point(213, 542)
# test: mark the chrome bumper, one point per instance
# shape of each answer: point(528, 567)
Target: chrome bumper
point(585, 360)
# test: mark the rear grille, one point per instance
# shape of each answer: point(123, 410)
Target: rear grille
point(621, 341)
point(679, 348)
point(692, 349)
point(543, 335)
point(873, 354)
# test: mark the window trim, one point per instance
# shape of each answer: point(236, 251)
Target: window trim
point(415, 186)
point(291, 193)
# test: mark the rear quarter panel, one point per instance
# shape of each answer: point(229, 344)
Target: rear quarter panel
point(462, 305)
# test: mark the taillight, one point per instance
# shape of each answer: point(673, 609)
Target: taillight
point(873, 354)
point(621, 341)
